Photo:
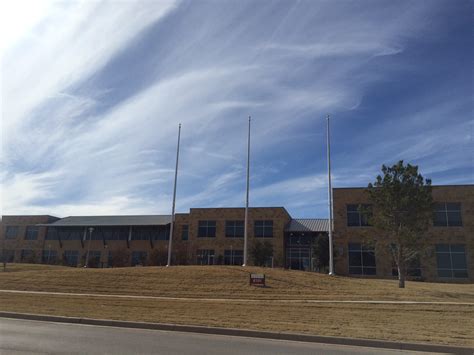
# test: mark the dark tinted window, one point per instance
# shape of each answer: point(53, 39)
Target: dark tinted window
point(11, 232)
point(447, 214)
point(27, 255)
point(31, 233)
point(139, 258)
point(49, 257)
point(358, 215)
point(451, 260)
point(233, 257)
point(263, 228)
point(8, 255)
point(71, 257)
point(234, 229)
point(207, 229)
point(184, 232)
point(205, 256)
point(361, 260)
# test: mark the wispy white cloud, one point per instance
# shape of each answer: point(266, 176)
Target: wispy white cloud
point(92, 96)
point(338, 49)
point(72, 41)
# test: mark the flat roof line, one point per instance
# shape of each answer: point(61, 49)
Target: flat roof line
point(361, 187)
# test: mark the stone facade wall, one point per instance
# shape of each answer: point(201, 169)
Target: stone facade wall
point(464, 235)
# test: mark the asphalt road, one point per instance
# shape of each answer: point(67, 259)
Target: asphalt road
point(35, 337)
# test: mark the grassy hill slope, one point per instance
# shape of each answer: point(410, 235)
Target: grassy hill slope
point(447, 324)
point(223, 282)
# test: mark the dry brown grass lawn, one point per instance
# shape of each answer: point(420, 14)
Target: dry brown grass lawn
point(223, 282)
point(449, 324)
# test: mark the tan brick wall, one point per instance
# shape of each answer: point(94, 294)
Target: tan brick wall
point(220, 243)
point(19, 242)
point(180, 247)
point(435, 235)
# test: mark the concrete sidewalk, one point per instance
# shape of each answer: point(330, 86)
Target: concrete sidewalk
point(237, 300)
point(248, 333)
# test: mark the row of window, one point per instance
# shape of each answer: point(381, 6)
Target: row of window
point(450, 259)
point(108, 233)
point(206, 229)
point(71, 257)
point(31, 232)
point(233, 229)
point(445, 214)
point(231, 257)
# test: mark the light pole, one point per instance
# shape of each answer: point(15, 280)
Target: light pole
point(91, 229)
point(247, 199)
point(331, 261)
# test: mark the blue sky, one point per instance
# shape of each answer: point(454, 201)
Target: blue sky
point(92, 94)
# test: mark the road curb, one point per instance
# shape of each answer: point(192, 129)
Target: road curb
point(247, 333)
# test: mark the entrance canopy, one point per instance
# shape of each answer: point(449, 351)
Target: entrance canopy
point(308, 225)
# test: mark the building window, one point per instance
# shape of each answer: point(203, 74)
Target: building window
point(358, 215)
point(207, 229)
point(233, 257)
point(163, 234)
point(110, 259)
point(111, 233)
point(49, 257)
point(11, 232)
point(140, 233)
point(298, 258)
point(451, 260)
point(361, 260)
point(71, 257)
point(139, 258)
point(447, 215)
point(8, 255)
point(184, 232)
point(52, 234)
point(31, 233)
point(413, 268)
point(299, 239)
point(27, 255)
point(94, 258)
point(72, 233)
point(263, 229)
point(205, 256)
point(234, 229)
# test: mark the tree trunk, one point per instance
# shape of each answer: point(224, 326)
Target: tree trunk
point(401, 276)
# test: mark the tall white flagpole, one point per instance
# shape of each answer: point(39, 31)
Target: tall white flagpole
point(330, 226)
point(170, 243)
point(247, 199)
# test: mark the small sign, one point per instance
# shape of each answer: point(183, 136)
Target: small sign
point(257, 280)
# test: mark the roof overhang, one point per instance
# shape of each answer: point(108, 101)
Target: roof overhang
point(308, 225)
point(111, 221)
